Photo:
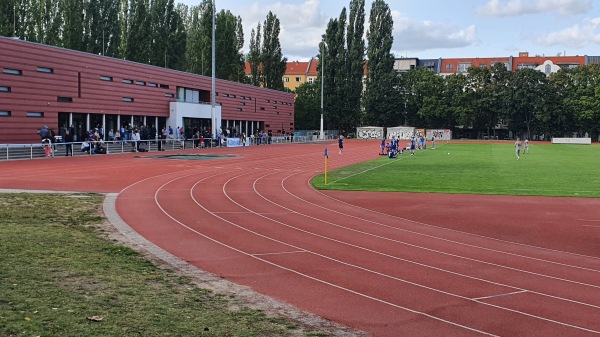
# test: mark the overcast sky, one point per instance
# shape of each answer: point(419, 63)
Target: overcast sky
point(439, 28)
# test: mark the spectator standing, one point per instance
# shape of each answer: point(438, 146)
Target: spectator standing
point(341, 144)
point(68, 143)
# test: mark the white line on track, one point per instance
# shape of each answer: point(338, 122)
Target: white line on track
point(450, 230)
point(500, 295)
point(453, 241)
point(382, 274)
point(590, 220)
point(319, 280)
point(285, 268)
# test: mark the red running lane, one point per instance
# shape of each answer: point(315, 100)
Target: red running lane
point(506, 266)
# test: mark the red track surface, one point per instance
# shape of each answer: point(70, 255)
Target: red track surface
point(440, 265)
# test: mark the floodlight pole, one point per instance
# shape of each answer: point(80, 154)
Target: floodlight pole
point(323, 44)
point(212, 112)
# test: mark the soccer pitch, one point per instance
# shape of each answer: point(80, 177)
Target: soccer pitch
point(548, 170)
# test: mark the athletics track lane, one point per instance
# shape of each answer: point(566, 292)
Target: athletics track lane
point(387, 276)
point(428, 269)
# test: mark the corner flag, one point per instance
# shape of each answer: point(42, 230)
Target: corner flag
point(326, 157)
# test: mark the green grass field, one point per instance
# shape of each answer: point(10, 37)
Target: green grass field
point(548, 170)
point(57, 270)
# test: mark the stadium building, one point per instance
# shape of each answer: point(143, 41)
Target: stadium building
point(44, 85)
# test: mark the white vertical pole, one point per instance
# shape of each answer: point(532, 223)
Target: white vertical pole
point(213, 113)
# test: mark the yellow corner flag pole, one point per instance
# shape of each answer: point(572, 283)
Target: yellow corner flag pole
point(326, 157)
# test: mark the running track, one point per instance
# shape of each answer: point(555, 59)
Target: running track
point(439, 265)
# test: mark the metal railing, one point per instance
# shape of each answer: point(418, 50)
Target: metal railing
point(33, 151)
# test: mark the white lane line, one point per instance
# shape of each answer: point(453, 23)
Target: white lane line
point(596, 226)
point(500, 295)
point(448, 240)
point(292, 246)
point(338, 261)
point(379, 273)
point(444, 229)
point(590, 220)
point(281, 253)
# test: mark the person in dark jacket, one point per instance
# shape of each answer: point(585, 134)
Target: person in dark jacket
point(68, 143)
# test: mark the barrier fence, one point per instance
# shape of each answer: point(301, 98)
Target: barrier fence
point(31, 151)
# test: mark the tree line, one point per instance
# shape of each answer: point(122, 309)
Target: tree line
point(525, 102)
point(157, 32)
point(178, 36)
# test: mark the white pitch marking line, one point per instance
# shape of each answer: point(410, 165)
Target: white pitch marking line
point(280, 253)
point(500, 295)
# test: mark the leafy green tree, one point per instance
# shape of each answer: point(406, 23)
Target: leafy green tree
point(230, 62)
point(8, 17)
point(139, 37)
point(194, 56)
point(274, 64)
point(355, 63)
point(307, 106)
point(333, 67)
point(254, 57)
point(529, 90)
point(381, 99)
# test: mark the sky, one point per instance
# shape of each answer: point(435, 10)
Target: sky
point(438, 28)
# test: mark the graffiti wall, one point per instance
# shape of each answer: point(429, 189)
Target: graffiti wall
point(369, 132)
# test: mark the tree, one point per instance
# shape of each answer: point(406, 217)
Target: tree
point(194, 48)
point(138, 32)
point(307, 106)
point(274, 64)
point(381, 99)
point(230, 62)
point(254, 57)
point(8, 16)
point(529, 88)
point(355, 63)
point(333, 68)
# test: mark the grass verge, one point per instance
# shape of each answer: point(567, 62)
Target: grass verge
point(548, 170)
point(60, 277)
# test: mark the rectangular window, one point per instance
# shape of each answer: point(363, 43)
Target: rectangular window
point(45, 70)
point(242, 97)
point(239, 109)
point(248, 98)
point(310, 80)
point(242, 103)
point(164, 86)
point(127, 99)
point(8, 71)
point(232, 96)
point(463, 67)
point(274, 107)
point(128, 81)
point(4, 89)
point(262, 108)
point(64, 99)
point(35, 114)
point(286, 79)
point(225, 95)
point(483, 65)
point(4, 113)
point(140, 83)
point(449, 66)
point(153, 85)
point(106, 78)
point(169, 95)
